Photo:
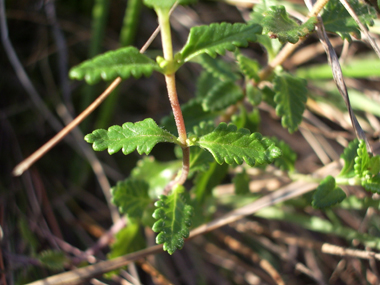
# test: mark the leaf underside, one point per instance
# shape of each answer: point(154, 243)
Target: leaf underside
point(131, 197)
point(124, 62)
point(217, 38)
point(174, 220)
point(143, 136)
point(277, 24)
point(227, 144)
point(291, 96)
point(327, 194)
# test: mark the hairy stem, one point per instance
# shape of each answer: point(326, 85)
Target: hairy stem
point(163, 18)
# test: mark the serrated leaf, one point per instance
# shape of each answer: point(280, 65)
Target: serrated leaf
point(166, 4)
point(349, 154)
point(327, 194)
point(128, 240)
point(268, 96)
point(217, 67)
point(200, 159)
point(287, 160)
point(336, 19)
point(174, 219)
point(217, 38)
point(205, 82)
point(222, 95)
point(272, 46)
point(131, 197)
point(124, 62)
point(143, 136)
point(241, 183)
point(52, 259)
point(193, 115)
point(227, 144)
point(372, 184)
point(362, 160)
point(277, 24)
point(204, 128)
point(157, 174)
point(249, 67)
point(254, 94)
point(291, 96)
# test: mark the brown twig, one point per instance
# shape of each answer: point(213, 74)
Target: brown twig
point(25, 164)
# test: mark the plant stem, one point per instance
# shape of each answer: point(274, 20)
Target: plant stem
point(163, 18)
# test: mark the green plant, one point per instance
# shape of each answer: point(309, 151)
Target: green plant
point(219, 87)
point(245, 126)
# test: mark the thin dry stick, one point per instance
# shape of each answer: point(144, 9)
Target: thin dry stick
point(362, 27)
point(249, 253)
point(157, 277)
point(25, 164)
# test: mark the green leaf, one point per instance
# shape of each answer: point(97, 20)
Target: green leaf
point(372, 184)
point(217, 67)
point(250, 121)
point(131, 197)
point(254, 94)
point(52, 259)
point(268, 96)
point(199, 160)
point(277, 24)
point(217, 38)
point(124, 62)
point(193, 115)
point(241, 182)
point(157, 174)
point(221, 96)
point(362, 160)
point(349, 154)
point(174, 219)
point(327, 194)
point(287, 160)
point(249, 67)
point(336, 19)
point(227, 144)
point(291, 96)
point(206, 181)
point(205, 82)
point(166, 4)
point(128, 240)
point(143, 136)
point(204, 128)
